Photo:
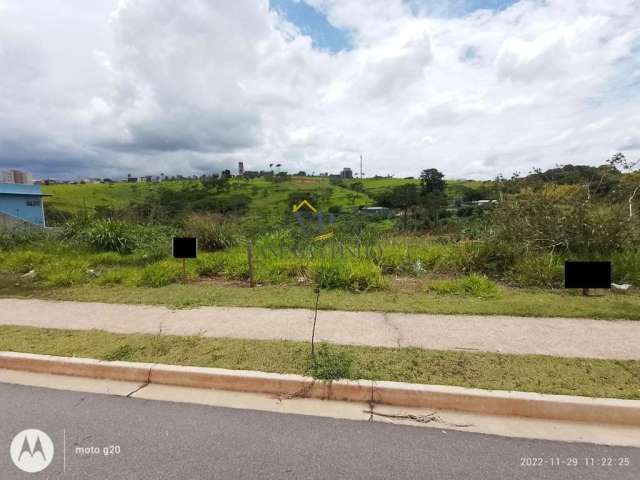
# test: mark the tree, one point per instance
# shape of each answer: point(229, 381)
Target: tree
point(432, 181)
point(216, 183)
point(432, 195)
point(620, 163)
point(404, 197)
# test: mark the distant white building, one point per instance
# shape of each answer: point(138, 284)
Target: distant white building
point(16, 176)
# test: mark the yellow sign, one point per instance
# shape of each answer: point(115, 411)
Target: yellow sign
point(326, 236)
point(304, 203)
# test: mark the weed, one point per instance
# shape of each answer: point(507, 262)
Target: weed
point(160, 274)
point(330, 363)
point(473, 285)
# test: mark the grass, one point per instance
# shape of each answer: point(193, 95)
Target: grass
point(535, 373)
point(401, 296)
point(475, 285)
point(264, 195)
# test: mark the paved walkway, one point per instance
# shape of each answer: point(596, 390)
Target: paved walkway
point(619, 339)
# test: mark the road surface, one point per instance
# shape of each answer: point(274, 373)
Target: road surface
point(566, 337)
point(164, 440)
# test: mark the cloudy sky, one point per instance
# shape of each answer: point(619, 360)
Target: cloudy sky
point(472, 87)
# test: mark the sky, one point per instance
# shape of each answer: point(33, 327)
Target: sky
point(102, 88)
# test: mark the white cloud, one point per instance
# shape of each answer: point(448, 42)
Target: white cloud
point(109, 87)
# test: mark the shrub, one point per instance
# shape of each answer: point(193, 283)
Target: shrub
point(414, 256)
point(562, 217)
point(160, 274)
point(65, 278)
point(212, 231)
point(358, 275)
point(365, 276)
point(110, 236)
point(11, 238)
point(537, 270)
point(64, 272)
point(474, 285)
point(281, 270)
point(209, 265)
point(626, 267)
point(330, 363)
point(236, 266)
point(153, 242)
point(23, 261)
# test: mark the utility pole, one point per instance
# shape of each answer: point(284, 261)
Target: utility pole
point(360, 166)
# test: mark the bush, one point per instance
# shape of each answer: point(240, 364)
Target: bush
point(160, 274)
point(11, 238)
point(537, 270)
point(110, 236)
point(65, 278)
point(212, 231)
point(626, 267)
point(358, 275)
point(474, 285)
point(153, 242)
point(330, 363)
point(562, 218)
point(281, 270)
point(65, 273)
point(414, 256)
point(236, 266)
point(209, 265)
point(23, 261)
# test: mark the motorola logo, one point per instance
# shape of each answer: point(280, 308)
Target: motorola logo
point(31, 450)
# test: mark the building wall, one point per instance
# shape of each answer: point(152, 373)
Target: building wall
point(26, 207)
point(16, 176)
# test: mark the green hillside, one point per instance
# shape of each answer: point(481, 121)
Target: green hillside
point(266, 197)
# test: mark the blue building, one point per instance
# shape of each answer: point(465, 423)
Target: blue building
point(20, 203)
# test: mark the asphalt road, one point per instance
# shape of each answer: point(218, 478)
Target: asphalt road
point(163, 440)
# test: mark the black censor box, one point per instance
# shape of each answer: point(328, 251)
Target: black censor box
point(587, 275)
point(184, 247)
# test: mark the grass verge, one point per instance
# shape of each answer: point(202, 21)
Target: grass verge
point(401, 296)
point(534, 373)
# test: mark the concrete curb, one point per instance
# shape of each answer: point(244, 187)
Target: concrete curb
point(494, 402)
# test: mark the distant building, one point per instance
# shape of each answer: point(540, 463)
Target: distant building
point(240, 168)
point(131, 179)
point(21, 204)
point(377, 211)
point(346, 173)
point(16, 176)
point(225, 174)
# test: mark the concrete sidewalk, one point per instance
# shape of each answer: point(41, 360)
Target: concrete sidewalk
point(619, 339)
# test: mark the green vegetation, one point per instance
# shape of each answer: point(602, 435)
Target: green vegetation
point(402, 295)
point(535, 373)
point(330, 363)
point(478, 255)
point(474, 285)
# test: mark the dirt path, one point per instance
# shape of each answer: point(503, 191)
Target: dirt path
point(619, 339)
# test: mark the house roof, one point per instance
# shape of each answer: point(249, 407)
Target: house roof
point(21, 189)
